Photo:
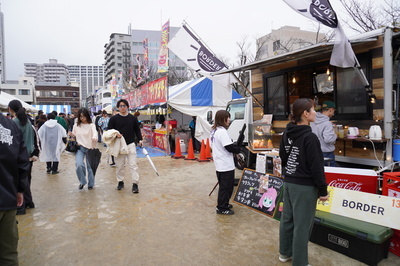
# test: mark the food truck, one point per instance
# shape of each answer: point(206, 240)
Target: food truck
point(366, 118)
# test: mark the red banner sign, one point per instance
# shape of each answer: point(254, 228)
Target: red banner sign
point(160, 141)
point(150, 93)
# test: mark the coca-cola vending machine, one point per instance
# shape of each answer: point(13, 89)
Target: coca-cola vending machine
point(364, 180)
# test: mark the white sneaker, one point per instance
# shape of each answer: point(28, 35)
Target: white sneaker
point(284, 258)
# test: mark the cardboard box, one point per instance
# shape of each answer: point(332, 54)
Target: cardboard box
point(366, 242)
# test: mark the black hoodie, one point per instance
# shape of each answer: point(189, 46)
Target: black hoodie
point(302, 159)
point(14, 164)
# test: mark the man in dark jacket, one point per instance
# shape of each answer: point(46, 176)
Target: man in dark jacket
point(128, 126)
point(14, 165)
point(96, 123)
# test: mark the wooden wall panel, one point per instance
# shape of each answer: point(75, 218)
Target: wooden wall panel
point(377, 63)
point(377, 84)
point(257, 80)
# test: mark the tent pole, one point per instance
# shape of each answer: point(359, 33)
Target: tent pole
point(241, 83)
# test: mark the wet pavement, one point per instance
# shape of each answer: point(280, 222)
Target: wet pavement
point(172, 221)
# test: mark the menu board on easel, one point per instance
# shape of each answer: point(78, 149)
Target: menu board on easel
point(260, 192)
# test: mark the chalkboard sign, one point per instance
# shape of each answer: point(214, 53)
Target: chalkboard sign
point(260, 192)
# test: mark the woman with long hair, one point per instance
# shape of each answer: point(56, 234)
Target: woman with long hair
point(21, 119)
point(86, 136)
point(304, 182)
point(223, 150)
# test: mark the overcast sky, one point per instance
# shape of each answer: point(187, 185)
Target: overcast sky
point(74, 32)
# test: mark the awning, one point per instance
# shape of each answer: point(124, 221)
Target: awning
point(66, 109)
point(5, 98)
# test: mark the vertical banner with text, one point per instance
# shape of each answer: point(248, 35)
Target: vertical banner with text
point(163, 56)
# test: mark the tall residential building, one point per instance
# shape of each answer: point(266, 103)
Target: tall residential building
point(2, 50)
point(117, 53)
point(51, 73)
point(286, 39)
point(89, 77)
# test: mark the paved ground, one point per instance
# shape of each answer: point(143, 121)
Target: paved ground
point(172, 221)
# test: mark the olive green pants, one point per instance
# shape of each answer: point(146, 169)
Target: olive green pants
point(8, 238)
point(299, 204)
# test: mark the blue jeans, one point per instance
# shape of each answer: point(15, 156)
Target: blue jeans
point(81, 167)
point(330, 155)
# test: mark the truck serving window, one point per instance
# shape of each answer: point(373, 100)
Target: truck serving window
point(236, 110)
point(352, 100)
point(276, 96)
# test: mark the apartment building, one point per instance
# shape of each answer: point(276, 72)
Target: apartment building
point(286, 39)
point(88, 77)
point(117, 55)
point(52, 73)
point(23, 89)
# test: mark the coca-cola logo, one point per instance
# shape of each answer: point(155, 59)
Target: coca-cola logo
point(346, 185)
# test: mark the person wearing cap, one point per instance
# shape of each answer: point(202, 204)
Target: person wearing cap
point(323, 128)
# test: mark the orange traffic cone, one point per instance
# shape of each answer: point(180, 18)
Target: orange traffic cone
point(178, 153)
point(208, 149)
point(190, 151)
point(203, 156)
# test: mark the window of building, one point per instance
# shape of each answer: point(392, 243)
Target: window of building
point(153, 44)
point(276, 45)
point(9, 91)
point(107, 95)
point(24, 92)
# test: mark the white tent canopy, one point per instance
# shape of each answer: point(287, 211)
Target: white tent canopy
point(5, 98)
point(197, 97)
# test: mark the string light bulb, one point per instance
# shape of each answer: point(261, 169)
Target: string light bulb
point(294, 79)
point(329, 77)
point(328, 72)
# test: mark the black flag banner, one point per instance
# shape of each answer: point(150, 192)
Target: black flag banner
point(322, 11)
point(342, 53)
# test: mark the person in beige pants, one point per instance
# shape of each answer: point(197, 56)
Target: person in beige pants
point(128, 127)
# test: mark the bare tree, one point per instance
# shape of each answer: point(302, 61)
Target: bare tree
point(367, 16)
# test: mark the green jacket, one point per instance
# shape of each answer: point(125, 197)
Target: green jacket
point(62, 122)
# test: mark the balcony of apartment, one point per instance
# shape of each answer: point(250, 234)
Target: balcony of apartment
point(111, 43)
point(126, 46)
point(110, 72)
point(109, 58)
point(108, 66)
point(126, 53)
point(111, 50)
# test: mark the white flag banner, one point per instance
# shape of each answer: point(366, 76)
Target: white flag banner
point(322, 11)
point(189, 49)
